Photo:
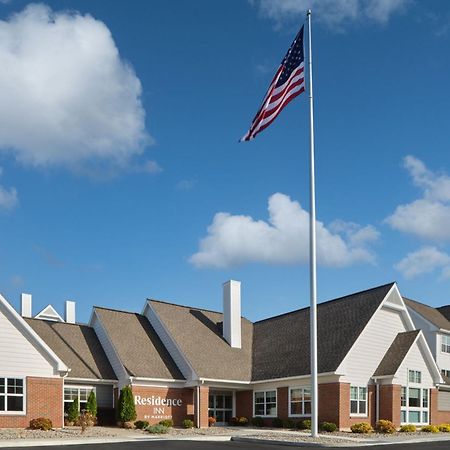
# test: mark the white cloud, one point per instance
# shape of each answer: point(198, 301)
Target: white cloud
point(8, 198)
point(332, 12)
point(424, 260)
point(66, 96)
point(283, 239)
point(151, 167)
point(185, 185)
point(427, 217)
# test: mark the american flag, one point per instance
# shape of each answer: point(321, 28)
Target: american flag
point(288, 82)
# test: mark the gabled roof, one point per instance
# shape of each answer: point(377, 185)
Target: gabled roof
point(198, 334)
point(78, 346)
point(445, 311)
point(431, 314)
point(49, 313)
point(396, 353)
point(18, 321)
point(281, 344)
point(138, 347)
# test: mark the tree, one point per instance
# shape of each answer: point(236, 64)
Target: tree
point(127, 408)
point(91, 405)
point(73, 414)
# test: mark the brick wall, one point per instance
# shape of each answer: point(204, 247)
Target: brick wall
point(154, 413)
point(390, 403)
point(244, 404)
point(204, 402)
point(44, 398)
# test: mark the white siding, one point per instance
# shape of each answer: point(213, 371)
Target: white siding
point(369, 349)
point(442, 358)
point(428, 329)
point(18, 356)
point(169, 343)
point(414, 360)
point(444, 401)
point(110, 352)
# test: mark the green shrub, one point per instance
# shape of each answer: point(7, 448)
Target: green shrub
point(277, 423)
point(257, 421)
point(304, 424)
point(127, 408)
point(158, 429)
point(385, 427)
point(41, 423)
point(91, 405)
point(73, 414)
point(444, 427)
point(141, 424)
point(362, 427)
point(188, 423)
point(289, 423)
point(329, 427)
point(430, 429)
point(408, 429)
point(167, 423)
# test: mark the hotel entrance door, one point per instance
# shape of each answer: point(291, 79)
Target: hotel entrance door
point(221, 407)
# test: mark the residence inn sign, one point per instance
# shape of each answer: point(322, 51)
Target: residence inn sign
point(157, 406)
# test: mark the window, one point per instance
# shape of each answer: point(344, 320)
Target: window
point(445, 373)
point(445, 343)
point(73, 392)
point(415, 405)
point(415, 376)
point(12, 395)
point(300, 401)
point(265, 403)
point(358, 400)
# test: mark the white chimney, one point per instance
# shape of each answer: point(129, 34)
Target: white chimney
point(70, 312)
point(232, 313)
point(25, 305)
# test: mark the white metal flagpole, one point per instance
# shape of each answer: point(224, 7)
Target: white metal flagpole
point(312, 251)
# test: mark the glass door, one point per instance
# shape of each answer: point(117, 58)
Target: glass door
point(221, 407)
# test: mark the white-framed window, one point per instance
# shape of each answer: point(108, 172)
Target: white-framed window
point(299, 401)
point(415, 405)
point(12, 395)
point(445, 343)
point(445, 372)
point(73, 392)
point(265, 403)
point(358, 400)
point(415, 376)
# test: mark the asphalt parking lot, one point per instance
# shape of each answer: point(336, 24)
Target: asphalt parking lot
point(187, 445)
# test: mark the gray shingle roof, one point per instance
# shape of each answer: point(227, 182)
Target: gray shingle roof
point(198, 333)
point(445, 311)
point(138, 346)
point(396, 353)
point(433, 315)
point(78, 346)
point(281, 344)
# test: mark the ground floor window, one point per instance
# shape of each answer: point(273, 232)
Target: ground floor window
point(73, 392)
point(12, 395)
point(358, 400)
point(299, 401)
point(221, 407)
point(265, 403)
point(415, 405)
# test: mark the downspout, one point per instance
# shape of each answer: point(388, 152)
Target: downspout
point(198, 406)
point(377, 404)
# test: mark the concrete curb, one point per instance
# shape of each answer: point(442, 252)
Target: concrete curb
point(274, 442)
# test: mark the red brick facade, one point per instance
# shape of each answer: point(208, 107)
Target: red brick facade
point(44, 398)
point(201, 419)
point(244, 404)
point(153, 413)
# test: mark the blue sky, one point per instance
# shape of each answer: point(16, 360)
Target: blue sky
point(119, 128)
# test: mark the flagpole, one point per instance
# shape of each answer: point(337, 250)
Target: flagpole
point(312, 251)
